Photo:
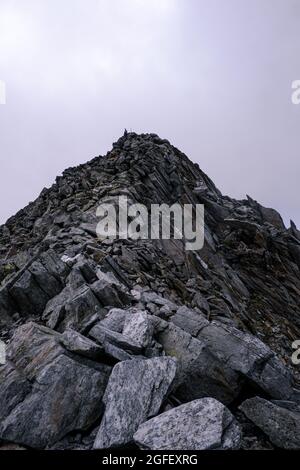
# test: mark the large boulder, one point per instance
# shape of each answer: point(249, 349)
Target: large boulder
point(28, 295)
point(220, 360)
point(278, 420)
point(41, 279)
point(46, 391)
point(189, 320)
point(200, 373)
point(250, 357)
point(32, 347)
point(66, 396)
point(135, 392)
point(72, 308)
point(115, 319)
point(199, 425)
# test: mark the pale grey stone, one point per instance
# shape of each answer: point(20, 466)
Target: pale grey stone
point(198, 425)
point(139, 328)
point(135, 392)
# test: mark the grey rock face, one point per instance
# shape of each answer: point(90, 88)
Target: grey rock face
point(281, 424)
point(104, 336)
point(200, 373)
point(28, 295)
point(110, 294)
point(189, 320)
point(32, 348)
point(219, 360)
point(139, 328)
point(199, 425)
point(66, 396)
point(14, 388)
point(115, 320)
point(45, 394)
point(79, 344)
point(135, 392)
point(117, 353)
point(80, 309)
point(40, 279)
point(246, 354)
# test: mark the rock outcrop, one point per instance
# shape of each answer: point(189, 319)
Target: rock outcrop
point(199, 425)
point(135, 392)
point(112, 341)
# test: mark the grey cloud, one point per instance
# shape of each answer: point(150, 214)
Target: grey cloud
point(213, 77)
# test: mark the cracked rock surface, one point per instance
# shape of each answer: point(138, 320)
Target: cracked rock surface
point(199, 425)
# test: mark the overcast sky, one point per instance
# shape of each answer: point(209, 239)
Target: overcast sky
point(212, 76)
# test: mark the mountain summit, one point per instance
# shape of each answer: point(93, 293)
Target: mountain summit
point(104, 334)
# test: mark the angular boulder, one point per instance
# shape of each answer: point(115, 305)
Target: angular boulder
point(139, 328)
point(202, 424)
point(135, 392)
point(79, 344)
point(115, 319)
point(110, 294)
point(200, 373)
point(66, 396)
point(250, 357)
point(46, 391)
point(280, 423)
point(189, 320)
point(104, 337)
point(32, 347)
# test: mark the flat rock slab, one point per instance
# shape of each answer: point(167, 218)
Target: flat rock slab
point(199, 425)
point(103, 336)
point(135, 392)
point(280, 423)
point(79, 344)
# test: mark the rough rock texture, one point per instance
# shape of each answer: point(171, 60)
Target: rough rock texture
point(73, 306)
point(199, 425)
point(66, 397)
point(280, 421)
point(79, 344)
point(139, 328)
point(45, 394)
point(135, 392)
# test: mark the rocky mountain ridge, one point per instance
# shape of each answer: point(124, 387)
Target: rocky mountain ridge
point(110, 340)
